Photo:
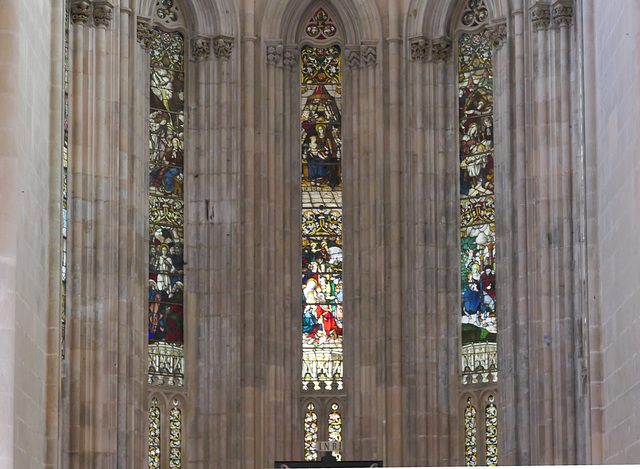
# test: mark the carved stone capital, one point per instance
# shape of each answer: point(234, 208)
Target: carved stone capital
point(80, 11)
point(222, 46)
point(541, 16)
point(145, 33)
point(290, 56)
point(498, 35)
point(102, 13)
point(368, 55)
point(562, 13)
point(201, 48)
point(352, 57)
point(419, 48)
point(441, 49)
point(274, 54)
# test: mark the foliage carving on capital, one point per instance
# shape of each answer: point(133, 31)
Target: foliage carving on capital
point(419, 48)
point(441, 49)
point(498, 35)
point(145, 33)
point(80, 11)
point(290, 56)
point(222, 46)
point(563, 13)
point(352, 57)
point(274, 54)
point(541, 16)
point(201, 48)
point(102, 13)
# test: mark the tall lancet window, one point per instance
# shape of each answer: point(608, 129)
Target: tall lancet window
point(166, 206)
point(321, 165)
point(479, 300)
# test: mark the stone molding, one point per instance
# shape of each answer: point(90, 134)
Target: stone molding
point(80, 11)
point(419, 49)
point(222, 46)
point(562, 13)
point(441, 49)
point(498, 35)
point(102, 13)
point(541, 16)
point(201, 48)
point(144, 33)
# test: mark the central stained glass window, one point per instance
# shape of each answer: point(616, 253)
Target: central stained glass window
point(321, 158)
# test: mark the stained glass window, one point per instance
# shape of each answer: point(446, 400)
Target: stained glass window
point(491, 432)
point(470, 434)
point(321, 26)
point(321, 157)
point(310, 433)
point(166, 208)
point(175, 436)
point(154, 434)
point(335, 428)
point(477, 214)
point(65, 193)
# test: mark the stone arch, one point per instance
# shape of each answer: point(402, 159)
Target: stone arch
point(202, 17)
point(438, 18)
point(359, 19)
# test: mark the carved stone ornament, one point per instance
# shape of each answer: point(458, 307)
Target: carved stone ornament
point(498, 35)
point(563, 13)
point(441, 49)
point(289, 57)
point(201, 48)
point(80, 11)
point(274, 54)
point(222, 46)
point(352, 57)
point(145, 33)
point(541, 16)
point(369, 55)
point(102, 14)
point(419, 48)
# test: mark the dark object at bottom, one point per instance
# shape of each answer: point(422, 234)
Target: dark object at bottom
point(327, 461)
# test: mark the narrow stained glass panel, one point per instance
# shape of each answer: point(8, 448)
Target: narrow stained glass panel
point(175, 436)
point(470, 447)
point(321, 164)
point(477, 213)
point(65, 189)
point(166, 209)
point(335, 428)
point(491, 429)
point(310, 433)
point(154, 435)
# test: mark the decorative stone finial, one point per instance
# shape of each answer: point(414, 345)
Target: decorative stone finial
point(222, 46)
point(102, 13)
point(419, 48)
point(541, 16)
point(201, 48)
point(441, 49)
point(562, 13)
point(80, 11)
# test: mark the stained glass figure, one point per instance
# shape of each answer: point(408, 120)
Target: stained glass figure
point(321, 163)
point(477, 213)
point(166, 208)
point(335, 428)
point(175, 436)
point(154, 434)
point(65, 189)
point(491, 432)
point(470, 447)
point(310, 433)
point(320, 26)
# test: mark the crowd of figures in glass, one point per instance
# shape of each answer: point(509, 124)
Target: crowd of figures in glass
point(477, 214)
point(321, 146)
point(166, 207)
